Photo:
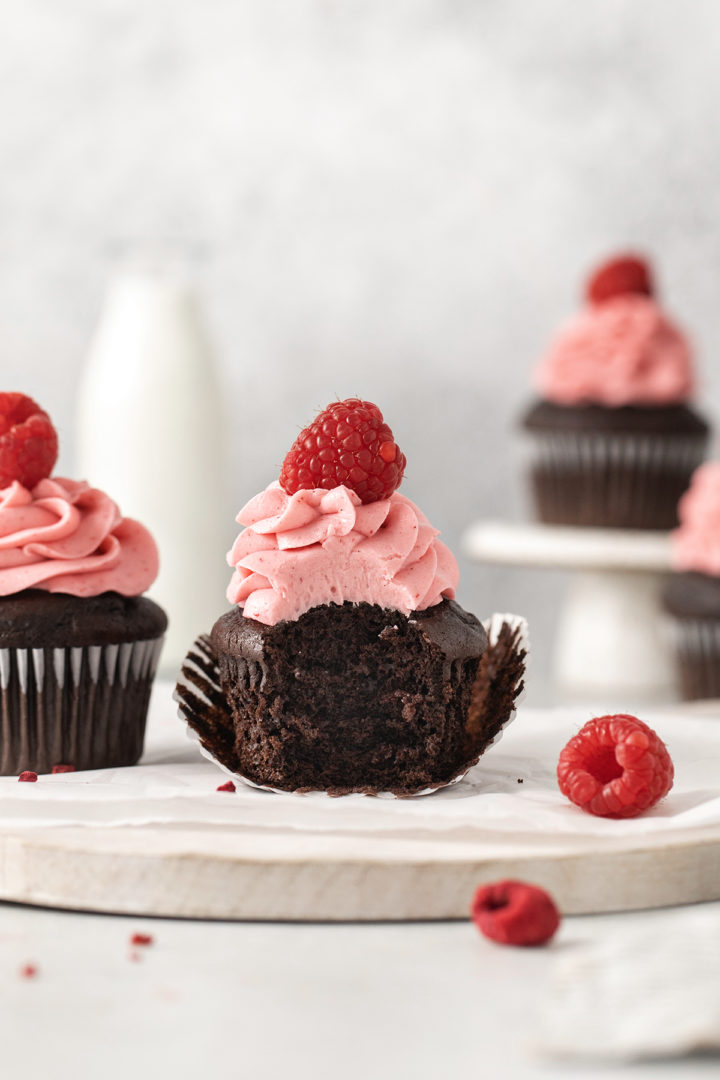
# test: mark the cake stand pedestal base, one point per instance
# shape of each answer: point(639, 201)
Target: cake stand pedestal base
point(611, 636)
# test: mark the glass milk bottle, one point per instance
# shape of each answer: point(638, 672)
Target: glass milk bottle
point(150, 434)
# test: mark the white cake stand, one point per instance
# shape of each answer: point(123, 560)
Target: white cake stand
point(611, 636)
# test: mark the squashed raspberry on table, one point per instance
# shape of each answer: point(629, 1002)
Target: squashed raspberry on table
point(27, 777)
point(623, 275)
point(515, 913)
point(142, 939)
point(616, 767)
point(348, 443)
point(62, 769)
point(229, 786)
point(28, 441)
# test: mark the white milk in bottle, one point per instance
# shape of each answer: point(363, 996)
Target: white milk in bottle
point(150, 433)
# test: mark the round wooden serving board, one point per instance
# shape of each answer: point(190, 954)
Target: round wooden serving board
point(219, 874)
point(159, 840)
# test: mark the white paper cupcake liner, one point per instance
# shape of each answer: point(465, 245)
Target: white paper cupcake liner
point(204, 710)
point(83, 706)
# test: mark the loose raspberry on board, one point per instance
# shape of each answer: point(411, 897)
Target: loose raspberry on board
point(616, 767)
point(515, 913)
point(348, 443)
point(618, 277)
point(28, 441)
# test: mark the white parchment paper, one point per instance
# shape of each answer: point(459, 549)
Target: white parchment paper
point(175, 784)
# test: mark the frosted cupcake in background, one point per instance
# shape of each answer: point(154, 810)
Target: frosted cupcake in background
point(692, 595)
point(615, 438)
point(79, 644)
point(345, 663)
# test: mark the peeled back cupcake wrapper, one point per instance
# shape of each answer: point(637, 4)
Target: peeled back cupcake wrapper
point(83, 706)
point(205, 710)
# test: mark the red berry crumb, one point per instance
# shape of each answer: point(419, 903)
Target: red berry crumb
point(616, 767)
point(142, 939)
point(28, 971)
point(618, 277)
point(515, 913)
point(62, 768)
point(28, 441)
point(229, 786)
point(347, 443)
point(27, 777)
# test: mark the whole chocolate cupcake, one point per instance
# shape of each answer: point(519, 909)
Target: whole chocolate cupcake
point(692, 594)
point(79, 644)
point(615, 439)
point(346, 665)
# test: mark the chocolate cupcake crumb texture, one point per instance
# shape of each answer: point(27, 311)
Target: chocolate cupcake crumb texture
point(430, 694)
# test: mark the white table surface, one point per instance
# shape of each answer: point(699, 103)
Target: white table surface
point(256, 1000)
point(271, 1000)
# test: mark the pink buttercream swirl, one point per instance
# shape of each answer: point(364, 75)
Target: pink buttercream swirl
point(696, 542)
point(624, 351)
point(65, 536)
point(325, 547)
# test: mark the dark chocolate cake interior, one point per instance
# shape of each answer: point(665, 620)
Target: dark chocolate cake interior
point(351, 697)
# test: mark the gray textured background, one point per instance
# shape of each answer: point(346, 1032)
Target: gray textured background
point(394, 199)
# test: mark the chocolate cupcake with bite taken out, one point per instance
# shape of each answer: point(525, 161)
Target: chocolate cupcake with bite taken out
point(345, 664)
point(79, 642)
point(615, 437)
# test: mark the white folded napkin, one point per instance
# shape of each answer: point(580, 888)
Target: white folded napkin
point(647, 992)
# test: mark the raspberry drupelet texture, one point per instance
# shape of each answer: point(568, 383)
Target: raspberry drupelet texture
point(618, 277)
point(348, 443)
point(515, 913)
point(616, 766)
point(28, 441)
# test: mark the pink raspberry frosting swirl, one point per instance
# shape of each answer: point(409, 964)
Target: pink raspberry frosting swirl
point(65, 536)
point(696, 542)
point(325, 547)
point(624, 351)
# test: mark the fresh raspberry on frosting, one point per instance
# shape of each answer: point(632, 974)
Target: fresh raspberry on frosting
point(623, 275)
point(28, 441)
point(347, 444)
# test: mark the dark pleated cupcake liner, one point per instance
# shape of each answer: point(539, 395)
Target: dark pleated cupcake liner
point(697, 648)
point(82, 706)
point(203, 707)
point(613, 480)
